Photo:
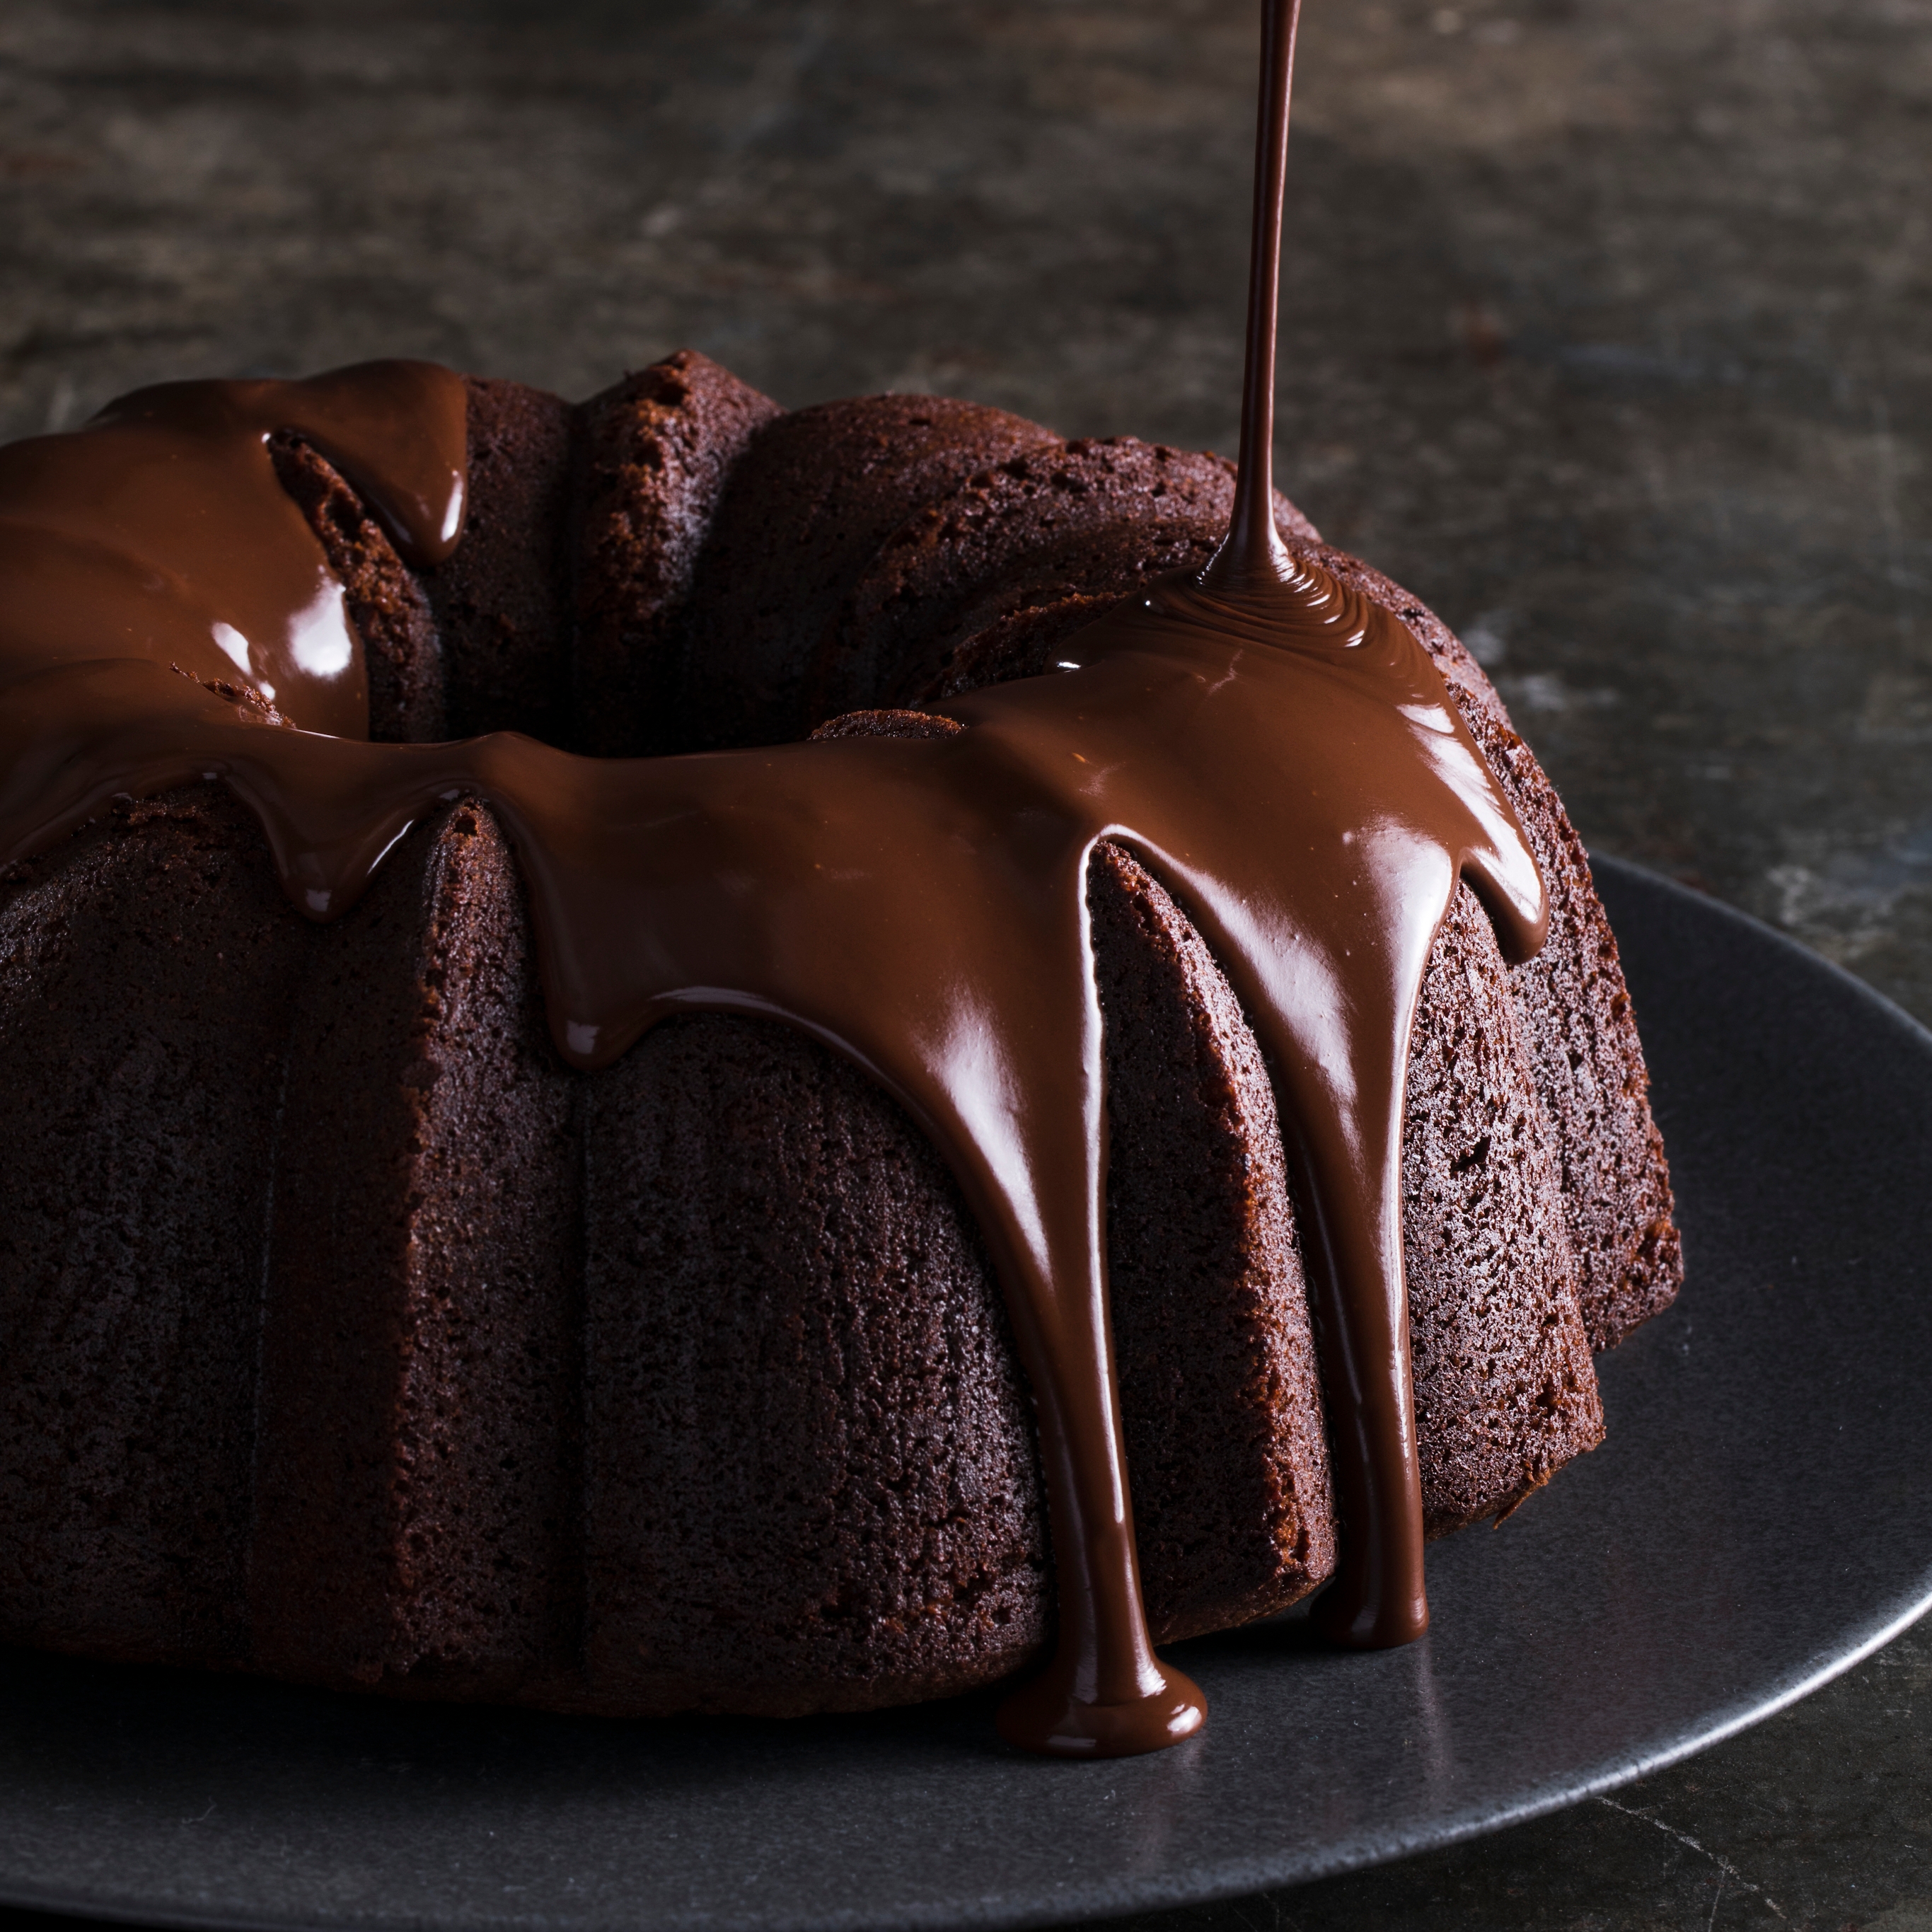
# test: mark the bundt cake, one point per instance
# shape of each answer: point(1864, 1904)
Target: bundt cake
point(667, 1056)
point(356, 1334)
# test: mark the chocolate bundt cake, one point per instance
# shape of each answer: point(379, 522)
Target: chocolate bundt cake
point(489, 1209)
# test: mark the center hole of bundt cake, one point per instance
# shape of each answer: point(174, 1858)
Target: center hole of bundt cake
point(484, 642)
point(679, 565)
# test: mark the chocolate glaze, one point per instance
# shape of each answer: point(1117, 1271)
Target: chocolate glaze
point(1280, 752)
point(1377, 1597)
point(158, 531)
point(1253, 553)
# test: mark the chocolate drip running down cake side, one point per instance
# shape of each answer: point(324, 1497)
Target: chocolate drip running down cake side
point(671, 1055)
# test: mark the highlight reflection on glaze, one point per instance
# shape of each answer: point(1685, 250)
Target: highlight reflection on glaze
point(157, 529)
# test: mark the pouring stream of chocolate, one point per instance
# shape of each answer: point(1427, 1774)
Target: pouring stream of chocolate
point(1283, 753)
point(1253, 556)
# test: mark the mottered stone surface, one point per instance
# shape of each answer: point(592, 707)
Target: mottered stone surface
point(1605, 331)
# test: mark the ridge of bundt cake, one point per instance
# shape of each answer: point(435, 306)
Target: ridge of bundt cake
point(354, 1335)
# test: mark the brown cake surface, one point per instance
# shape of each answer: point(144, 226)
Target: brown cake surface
point(353, 1336)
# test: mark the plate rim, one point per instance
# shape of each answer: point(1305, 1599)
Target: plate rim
point(1088, 1898)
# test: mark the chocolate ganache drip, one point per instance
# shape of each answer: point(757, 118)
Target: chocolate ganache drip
point(158, 531)
point(1281, 753)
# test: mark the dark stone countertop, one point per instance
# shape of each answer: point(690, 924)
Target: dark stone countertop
point(1605, 331)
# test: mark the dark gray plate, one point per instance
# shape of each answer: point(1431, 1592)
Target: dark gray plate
point(1760, 1518)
